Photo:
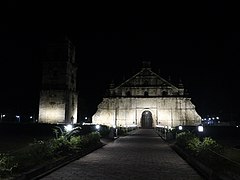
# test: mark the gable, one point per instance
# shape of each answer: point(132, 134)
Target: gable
point(145, 83)
point(146, 78)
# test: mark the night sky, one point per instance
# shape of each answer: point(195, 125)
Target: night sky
point(110, 46)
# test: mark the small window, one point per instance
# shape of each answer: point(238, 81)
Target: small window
point(145, 82)
point(145, 93)
point(128, 93)
point(164, 93)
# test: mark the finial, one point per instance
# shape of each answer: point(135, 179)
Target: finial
point(180, 84)
point(112, 84)
point(169, 78)
point(146, 64)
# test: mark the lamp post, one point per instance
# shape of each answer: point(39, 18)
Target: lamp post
point(18, 117)
point(178, 130)
point(200, 131)
point(200, 128)
point(2, 116)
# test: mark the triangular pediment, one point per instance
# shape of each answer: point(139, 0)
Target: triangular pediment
point(145, 83)
point(146, 78)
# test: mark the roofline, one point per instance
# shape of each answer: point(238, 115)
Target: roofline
point(142, 71)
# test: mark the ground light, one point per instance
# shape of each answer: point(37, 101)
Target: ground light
point(200, 132)
point(97, 126)
point(68, 127)
point(180, 127)
point(18, 118)
point(2, 116)
point(200, 128)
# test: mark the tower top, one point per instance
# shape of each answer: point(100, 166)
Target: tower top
point(60, 49)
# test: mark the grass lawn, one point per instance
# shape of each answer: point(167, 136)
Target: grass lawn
point(12, 144)
point(231, 148)
point(233, 154)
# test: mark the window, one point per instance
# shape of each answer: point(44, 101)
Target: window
point(145, 93)
point(164, 93)
point(128, 93)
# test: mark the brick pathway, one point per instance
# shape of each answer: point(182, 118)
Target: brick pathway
point(141, 156)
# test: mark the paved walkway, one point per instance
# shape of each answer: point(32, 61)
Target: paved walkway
point(141, 156)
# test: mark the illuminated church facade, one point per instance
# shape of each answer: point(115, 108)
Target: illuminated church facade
point(146, 100)
point(58, 97)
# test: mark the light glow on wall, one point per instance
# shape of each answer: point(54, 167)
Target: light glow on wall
point(106, 119)
point(52, 115)
point(123, 113)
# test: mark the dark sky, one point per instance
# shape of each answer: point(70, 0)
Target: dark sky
point(110, 44)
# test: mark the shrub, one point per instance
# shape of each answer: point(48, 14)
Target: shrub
point(194, 145)
point(88, 139)
point(104, 131)
point(70, 144)
point(75, 142)
point(210, 144)
point(7, 165)
point(183, 138)
point(34, 154)
point(189, 142)
point(60, 146)
point(41, 152)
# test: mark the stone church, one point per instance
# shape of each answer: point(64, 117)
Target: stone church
point(58, 97)
point(146, 100)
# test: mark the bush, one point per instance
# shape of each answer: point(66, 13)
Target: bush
point(194, 145)
point(210, 144)
point(34, 154)
point(43, 152)
point(7, 165)
point(189, 142)
point(104, 131)
point(89, 139)
point(39, 151)
point(76, 143)
point(183, 138)
point(60, 146)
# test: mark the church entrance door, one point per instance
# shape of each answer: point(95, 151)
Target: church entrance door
point(146, 120)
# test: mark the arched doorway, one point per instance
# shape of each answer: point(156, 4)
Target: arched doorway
point(146, 120)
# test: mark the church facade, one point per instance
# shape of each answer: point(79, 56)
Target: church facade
point(146, 100)
point(58, 97)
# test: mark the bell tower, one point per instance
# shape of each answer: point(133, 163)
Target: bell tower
point(58, 96)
